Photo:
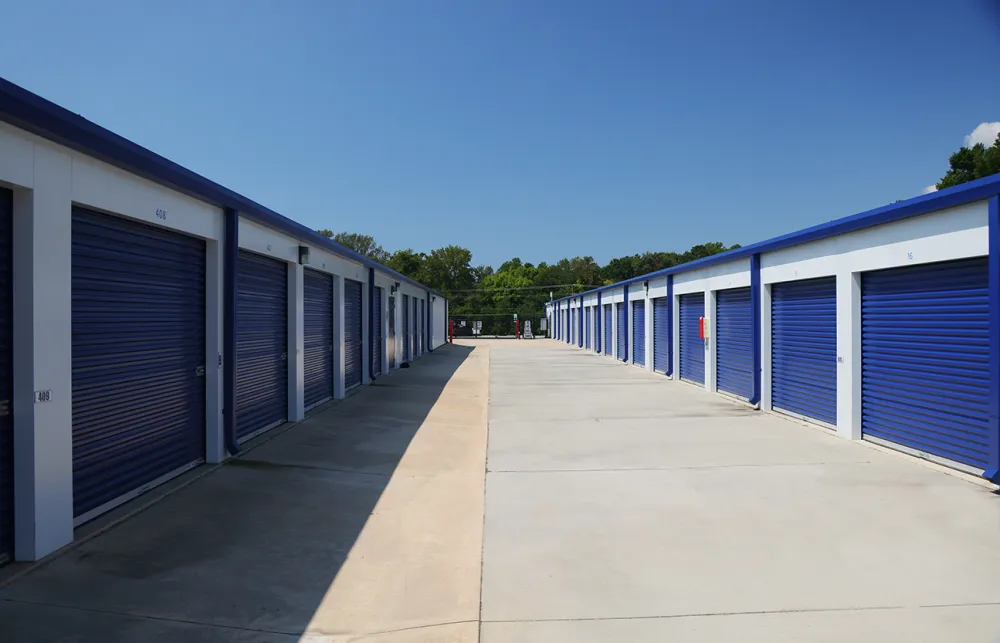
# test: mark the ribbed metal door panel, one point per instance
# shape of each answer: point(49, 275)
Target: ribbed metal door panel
point(639, 332)
point(734, 342)
point(406, 328)
point(692, 346)
point(317, 329)
point(925, 359)
point(661, 334)
point(261, 344)
point(413, 333)
point(379, 340)
point(804, 348)
point(353, 337)
point(608, 332)
point(6, 380)
point(586, 328)
point(138, 357)
point(622, 331)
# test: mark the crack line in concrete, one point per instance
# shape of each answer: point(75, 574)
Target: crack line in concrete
point(816, 610)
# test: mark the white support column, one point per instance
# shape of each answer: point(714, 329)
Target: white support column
point(629, 339)
point(675, 329)
point(296, 343)
point(765, 347)
point(649, 333)
point(849, 355)
point(710, 346)
point(43, 344)
point(215, 450)
point(338, 337)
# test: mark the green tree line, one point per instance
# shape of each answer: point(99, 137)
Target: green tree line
point(493, 296)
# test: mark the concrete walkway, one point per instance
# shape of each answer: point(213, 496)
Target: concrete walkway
point(620, 507)
point(363, 523)
point(623, 507)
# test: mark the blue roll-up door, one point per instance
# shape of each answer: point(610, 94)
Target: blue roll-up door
point(413, 335)
point(608, 331)
point(597, 327)
point(406, 328)
point(925, 380)
point(138, 357)
point(6, 379)
point(587, 316)
point(661, 334)
point(734, 342)
point(639, 332)
point(379, 340)
point(692, 346)
point(353, 336)
point(804, 348)
point(622, 332)
point(261, 344)
point(317, 328)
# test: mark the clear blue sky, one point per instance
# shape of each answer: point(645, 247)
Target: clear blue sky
point(531, 128)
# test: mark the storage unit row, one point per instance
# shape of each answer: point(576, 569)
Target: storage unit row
point(883, 326)
point(151, 320)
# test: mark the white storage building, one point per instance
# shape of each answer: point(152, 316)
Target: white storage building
point(152, 320)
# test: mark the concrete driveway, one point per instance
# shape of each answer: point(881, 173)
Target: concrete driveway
point(619, 507)
point(622, 506)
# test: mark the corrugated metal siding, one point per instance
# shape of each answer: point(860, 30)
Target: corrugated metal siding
point(804, 348)
point(6, 379)
point(692, 346)
point(261, 344)
point(639, 332)
point(608, 331)
point(379, 340)
point(587, 316)
point(406, 328)
point(925, 359)
point(661, 334)
point(138, 356)
point(597, 328)
point(353, 335)
point(734, 342)
point(622, 332)
point(317, 330)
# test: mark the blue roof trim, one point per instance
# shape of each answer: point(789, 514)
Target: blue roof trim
point(978, 190)
point(42, 117)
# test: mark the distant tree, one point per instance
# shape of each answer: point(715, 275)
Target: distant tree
point(971, 163)
point(408, 262)
point(361, 243)
point(326, 233)
point(449, 269)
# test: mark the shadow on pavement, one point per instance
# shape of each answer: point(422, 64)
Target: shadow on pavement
point(248, 552)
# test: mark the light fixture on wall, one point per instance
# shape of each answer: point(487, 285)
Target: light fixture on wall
point(433, 298)
point(304, 255)
point(393, 288)
point(645, 286)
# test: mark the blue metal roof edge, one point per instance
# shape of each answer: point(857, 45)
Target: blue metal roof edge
point(42, 117)
point(978, 190)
